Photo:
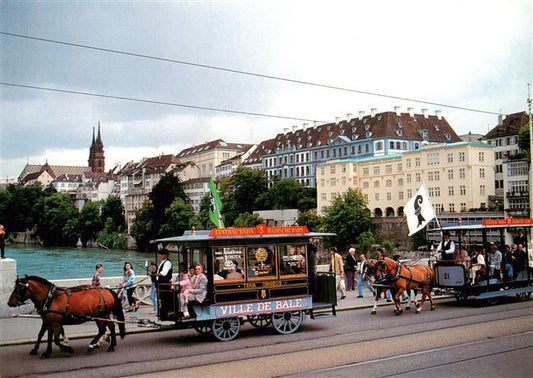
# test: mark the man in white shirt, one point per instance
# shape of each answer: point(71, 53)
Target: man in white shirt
point(446, 247)
point(495, 261)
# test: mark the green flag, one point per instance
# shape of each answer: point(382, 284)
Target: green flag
point(215, 205)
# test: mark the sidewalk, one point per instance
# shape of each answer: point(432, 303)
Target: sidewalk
point(23, 330)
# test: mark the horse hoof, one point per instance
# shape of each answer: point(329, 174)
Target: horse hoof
point(111, 349)
point(33, 352)
point(417, 312)
point(69, 350)
point(373, 313)
point(408, 308)
point(44, 356)
point(433, 308)
point(92, 347)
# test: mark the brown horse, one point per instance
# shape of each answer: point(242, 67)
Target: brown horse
point(60, 306)
point(401, 277)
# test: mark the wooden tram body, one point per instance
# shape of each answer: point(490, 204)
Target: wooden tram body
point(273, 280)
point(453, 276)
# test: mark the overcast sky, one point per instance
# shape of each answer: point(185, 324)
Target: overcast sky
point(472, 54)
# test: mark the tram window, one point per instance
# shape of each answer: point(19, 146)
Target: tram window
point(228, 263)
point(261, 262)
point(293, 259)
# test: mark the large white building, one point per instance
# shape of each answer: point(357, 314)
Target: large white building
point(459, 177)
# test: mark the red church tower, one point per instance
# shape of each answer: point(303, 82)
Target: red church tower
point(96, 153)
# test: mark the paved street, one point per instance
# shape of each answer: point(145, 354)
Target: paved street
point(454, 340)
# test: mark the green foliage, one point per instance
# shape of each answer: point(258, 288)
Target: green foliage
point(163, 194)
point(59, 224)
point(312, 221)
point(388, 245)
point(112, 240)
point(348, 217)
point(523, 138)
point(240, 191)
point(89, 222)
point(287, 194)
point(180, 217)
point(143, 227)
point(366, 240)
point(202, 218)
point(22, 206)
point(248, 220)
point(112, 214)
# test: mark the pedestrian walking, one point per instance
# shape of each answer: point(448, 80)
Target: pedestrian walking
point(336, 266)
point(351, 268)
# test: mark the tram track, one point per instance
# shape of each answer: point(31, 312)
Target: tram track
point(183, 353)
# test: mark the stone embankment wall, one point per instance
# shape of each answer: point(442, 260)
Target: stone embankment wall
point(394, 228)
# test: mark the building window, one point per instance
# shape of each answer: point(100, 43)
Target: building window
point(462, 173)
point(450, 174)
point(388, 168)
point(376, 184)
point(417, 162)
point(400, 195)
point(463, 206)
point(409, 193)
point(450, 191)
point(450, 158)
point(389, 196)
point(482, 190)
point(388, 183)
point(332, 169)
point(365, 171)
point(461, 156)
point(481, 156)
point(417, 177)
point(408, 163)
point(376, 196)
point(462, 190)
point(365, 185)
point(400, 182)
point(322, 196)
point(481, 172)
point(376, 170)
point(451, 207)
point(408, 178)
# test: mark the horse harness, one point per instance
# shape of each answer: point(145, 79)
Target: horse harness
point(398, 275)
point(54, 290)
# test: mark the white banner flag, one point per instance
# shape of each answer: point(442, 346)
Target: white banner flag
point(418, 210)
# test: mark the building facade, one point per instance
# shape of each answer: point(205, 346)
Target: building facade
point(295, 154)
point(458, 176)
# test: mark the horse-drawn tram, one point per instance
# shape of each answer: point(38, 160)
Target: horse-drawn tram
point(507, 273)
point(261, 274)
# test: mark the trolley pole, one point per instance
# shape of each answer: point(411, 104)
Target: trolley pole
point(530, 107)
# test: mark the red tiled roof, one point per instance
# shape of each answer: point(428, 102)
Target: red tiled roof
point(215, 144)
point(510, 125)
point(381, 125)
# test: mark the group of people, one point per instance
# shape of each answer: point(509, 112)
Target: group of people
point(509, 263)
point(350, 271)
point(192, 283)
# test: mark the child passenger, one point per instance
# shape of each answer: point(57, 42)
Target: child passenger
point(185, 290)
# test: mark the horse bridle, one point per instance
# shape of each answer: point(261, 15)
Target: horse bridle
point(26, 285)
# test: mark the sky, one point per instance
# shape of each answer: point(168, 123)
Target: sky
point(468, 54)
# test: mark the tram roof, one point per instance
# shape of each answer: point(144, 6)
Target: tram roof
point(205, 235)
point(480, 227)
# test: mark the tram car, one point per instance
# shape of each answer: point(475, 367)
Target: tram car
point(488, 284)
point(261, 274)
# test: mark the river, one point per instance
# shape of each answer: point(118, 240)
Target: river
point(55, 263)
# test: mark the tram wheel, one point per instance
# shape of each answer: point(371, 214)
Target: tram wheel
point(523, 296)
point(202, 328)
point(493, 301)
point(260, 321)
point(287, 322)
point(226, 329)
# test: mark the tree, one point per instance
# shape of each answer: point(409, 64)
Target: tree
point(163, 194)
point(523, 138)
point(366, 240)
point(202, 218)
point(143, 227)
point(348, 217)
point(312, 221)
point(25, 207)
point(239, 192)
point(287, 194)
point(58, 224)
point(113, 209)
point(180, 217)
point(248, 220)
point(89, 222)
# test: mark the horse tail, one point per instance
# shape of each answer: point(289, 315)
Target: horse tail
point(119, 314)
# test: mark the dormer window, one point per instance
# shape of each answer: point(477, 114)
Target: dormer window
point(309, 144)
point(352, 122)
point(447, 136)
point(342, 131)
point(399, 124)
point(330, 133)
point(380, 118)
point(354, 129)
point(367, 127)
point(365, 119)
point(355, 136)
point(423, 133)
point(319, 143)
point(436, 127)
point(368, 134)
point(399, 132)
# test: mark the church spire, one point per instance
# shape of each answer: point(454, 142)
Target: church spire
point(99, 137)
point(96, 152)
